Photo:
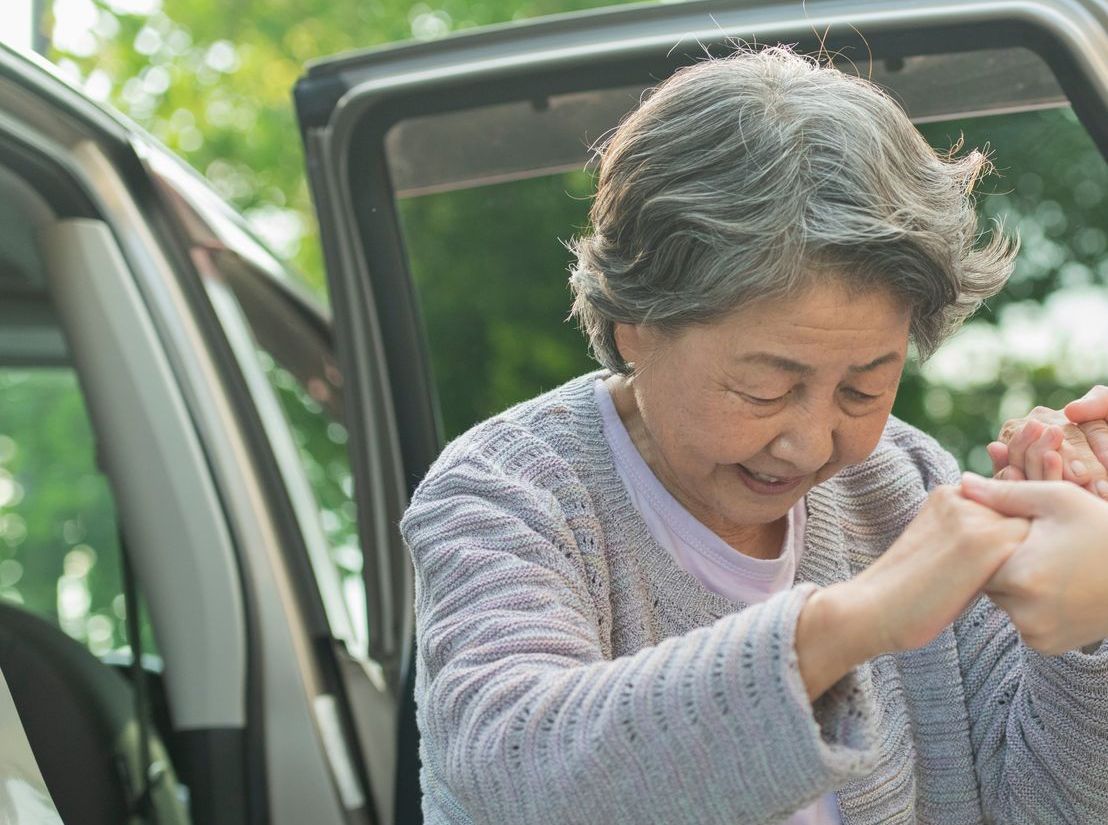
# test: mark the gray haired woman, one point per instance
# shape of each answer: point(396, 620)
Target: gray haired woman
point(715, 582)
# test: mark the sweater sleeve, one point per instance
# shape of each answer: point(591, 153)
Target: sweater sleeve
point(1038, 724)
point(526, 721)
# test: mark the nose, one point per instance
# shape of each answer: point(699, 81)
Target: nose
point(806, 442)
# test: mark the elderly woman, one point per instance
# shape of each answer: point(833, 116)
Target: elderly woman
point(715, 582)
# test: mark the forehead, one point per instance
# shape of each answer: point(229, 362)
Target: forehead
point(825, 323)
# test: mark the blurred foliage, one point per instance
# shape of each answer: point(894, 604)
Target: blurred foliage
point(59, 549)
point(491, 276)
point(213, 80)
point(1044, 338)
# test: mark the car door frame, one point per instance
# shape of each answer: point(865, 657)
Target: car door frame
point(264, 757)
point(354, 100)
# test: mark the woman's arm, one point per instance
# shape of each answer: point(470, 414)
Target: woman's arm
point(526, 720)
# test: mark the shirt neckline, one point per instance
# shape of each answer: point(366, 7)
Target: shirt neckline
point(691, 530)
point(823, 562)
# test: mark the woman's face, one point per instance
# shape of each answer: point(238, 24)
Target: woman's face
point(739, 418)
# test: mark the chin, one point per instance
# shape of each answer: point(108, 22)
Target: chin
point(766, 512)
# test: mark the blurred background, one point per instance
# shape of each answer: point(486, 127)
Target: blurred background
point(212, 80)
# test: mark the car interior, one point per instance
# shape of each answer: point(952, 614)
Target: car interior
point(70, 613)
point(63, 691)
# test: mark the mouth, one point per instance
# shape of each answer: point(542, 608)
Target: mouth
point(767, 485)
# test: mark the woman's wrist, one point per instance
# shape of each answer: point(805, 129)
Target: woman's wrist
point(834, 634)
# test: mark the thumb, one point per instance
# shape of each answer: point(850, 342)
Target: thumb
point(1090, 407)
point(1025, 499)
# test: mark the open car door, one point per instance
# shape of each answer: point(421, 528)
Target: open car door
point(444, 174)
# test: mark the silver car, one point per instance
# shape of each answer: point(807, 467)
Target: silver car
point(257, 449)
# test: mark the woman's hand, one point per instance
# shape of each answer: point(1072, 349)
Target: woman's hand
point(905, 599)
point(1034, 453)
point(1055, 585)
point(1022, 445)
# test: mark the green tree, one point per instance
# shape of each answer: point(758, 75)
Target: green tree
point(212, 80)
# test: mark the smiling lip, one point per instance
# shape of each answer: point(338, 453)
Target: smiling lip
point(767, 488)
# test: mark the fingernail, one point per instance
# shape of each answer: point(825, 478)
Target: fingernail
point(1102, 488)
point(1077, 468)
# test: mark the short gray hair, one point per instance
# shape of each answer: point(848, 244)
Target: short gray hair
point(747, 177)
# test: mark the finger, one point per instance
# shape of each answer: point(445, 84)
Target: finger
point(1049, 441)
point(1079, 464)
point(1096, 433)
point(1052, 466)
point(1033, 459)
point(1026, 499)
point(1091, 406)
point(1010, 474)
point(998, 454)
point(1021, 442)
point(1009, 429)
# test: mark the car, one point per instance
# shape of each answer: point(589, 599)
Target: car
point(255, 449)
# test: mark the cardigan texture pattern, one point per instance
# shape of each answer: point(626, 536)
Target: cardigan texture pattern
point(568, 671)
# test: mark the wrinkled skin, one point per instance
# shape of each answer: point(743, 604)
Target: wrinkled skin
point(1046, 444)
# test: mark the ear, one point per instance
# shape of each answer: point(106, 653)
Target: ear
point(631, 342)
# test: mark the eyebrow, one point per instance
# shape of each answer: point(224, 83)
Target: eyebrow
point(788, 365)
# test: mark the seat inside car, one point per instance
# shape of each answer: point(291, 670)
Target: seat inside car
point(79, 716)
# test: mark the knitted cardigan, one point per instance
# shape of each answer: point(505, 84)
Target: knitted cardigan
point(568, 671)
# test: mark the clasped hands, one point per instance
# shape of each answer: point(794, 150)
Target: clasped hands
point(1054, 582)
point(1035, 544)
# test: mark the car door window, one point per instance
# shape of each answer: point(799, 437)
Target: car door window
point(484, 238)
point(59, 545)
point(281, 341)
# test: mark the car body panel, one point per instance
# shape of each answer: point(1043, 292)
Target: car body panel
point(246, 699)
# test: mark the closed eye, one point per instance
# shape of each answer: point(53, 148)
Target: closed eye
point(858, 395)
point(753, 399)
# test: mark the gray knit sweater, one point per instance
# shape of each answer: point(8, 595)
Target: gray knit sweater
point(570, 672)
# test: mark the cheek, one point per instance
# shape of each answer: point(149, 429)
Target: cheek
point(731, 436)
point(859, 438)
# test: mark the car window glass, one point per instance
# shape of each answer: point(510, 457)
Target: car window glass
point(490, 270)
point(59, 545)
point(282, 343)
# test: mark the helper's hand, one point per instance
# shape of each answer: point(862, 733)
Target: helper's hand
point(1090, 412)
point(1024, 443)
point(1055, 585)
point(936, 568)
point(902, 601)
point(905, 598)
